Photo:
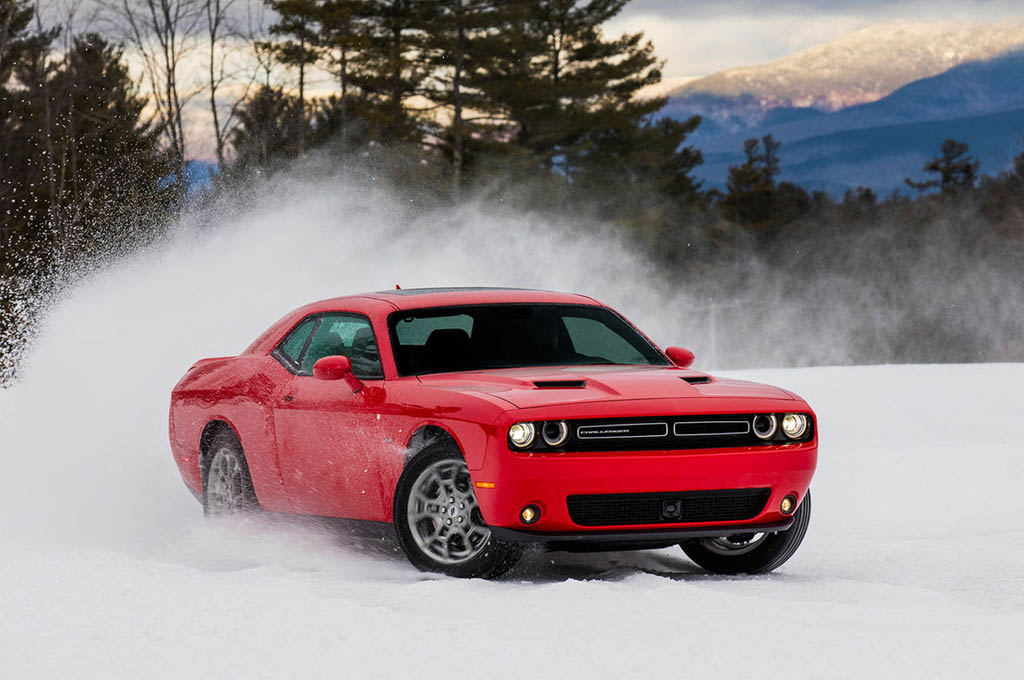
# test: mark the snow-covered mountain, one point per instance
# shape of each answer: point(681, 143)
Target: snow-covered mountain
point(879, 143)
point(861, 67)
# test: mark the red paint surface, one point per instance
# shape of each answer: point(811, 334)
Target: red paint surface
point(315, 447)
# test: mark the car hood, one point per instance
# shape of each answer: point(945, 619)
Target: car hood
point(532, 387)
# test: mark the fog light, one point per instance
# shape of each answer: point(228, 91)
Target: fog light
point(788, 505)
point(522, 434)
point(794, 425)
point(529, 515)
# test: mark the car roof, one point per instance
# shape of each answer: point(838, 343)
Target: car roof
point(386, 302)
point(418, 298)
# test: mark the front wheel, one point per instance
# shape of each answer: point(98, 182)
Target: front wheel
point(750, 553)
point(439, 524)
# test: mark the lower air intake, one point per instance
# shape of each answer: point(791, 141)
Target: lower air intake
point(727, 505)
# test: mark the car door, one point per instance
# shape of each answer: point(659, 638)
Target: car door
point(328, 438)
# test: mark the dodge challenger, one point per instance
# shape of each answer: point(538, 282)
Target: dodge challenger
point(470, 422)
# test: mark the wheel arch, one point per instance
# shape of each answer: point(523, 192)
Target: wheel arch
point(430, 434)
point(471, 438)
point(210, 432)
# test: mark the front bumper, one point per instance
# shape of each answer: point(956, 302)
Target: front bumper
point(613, 538)
point(547, 480)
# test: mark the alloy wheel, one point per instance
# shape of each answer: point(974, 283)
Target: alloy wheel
point(444, 516)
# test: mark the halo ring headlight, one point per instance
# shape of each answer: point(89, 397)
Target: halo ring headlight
point(522, 434)
point(555, 432)
point(765, 425)
point(794, 425)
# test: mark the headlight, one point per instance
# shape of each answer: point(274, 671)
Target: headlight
point(794, 425)
point(765, 425)
point(522, 434)
point(555, 432)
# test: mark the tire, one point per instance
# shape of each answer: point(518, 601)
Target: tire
point(227, 485)
point(438, 523)
point(750, 553)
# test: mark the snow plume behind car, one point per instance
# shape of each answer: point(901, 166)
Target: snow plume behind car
point(84, 429)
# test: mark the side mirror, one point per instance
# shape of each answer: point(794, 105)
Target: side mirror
point(336, 367)
point(680, 356)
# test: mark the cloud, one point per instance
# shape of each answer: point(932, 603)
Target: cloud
point(704, 45)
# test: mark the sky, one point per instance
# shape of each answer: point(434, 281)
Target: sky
point(700, 37)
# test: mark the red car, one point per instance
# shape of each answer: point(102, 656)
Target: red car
point(476, 420)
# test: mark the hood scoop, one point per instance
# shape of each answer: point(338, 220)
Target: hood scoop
point(697, 379)
point(559, 384)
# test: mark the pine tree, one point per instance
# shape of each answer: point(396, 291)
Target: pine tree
point(298, 20)
point(957, 171)
point(93, 163)
point(552, 78)
point(341, 49)
point(750, 187)
point(24, 51)
point(16, 40)
point(452, 32)
point(391, 67)
point(649, 160)
point(267, 133)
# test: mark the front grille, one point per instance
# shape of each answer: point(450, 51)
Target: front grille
point(622, 431)
point(668, 433)
point(726, 505)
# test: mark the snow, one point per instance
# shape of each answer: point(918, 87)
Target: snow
point(864, 65)
point(913, 565)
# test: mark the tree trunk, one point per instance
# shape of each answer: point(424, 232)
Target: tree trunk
point(457, 140)
point(302, 94)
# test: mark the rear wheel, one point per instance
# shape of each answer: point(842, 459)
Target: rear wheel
point(438, 521)
point(750, 553)
point(227, 486)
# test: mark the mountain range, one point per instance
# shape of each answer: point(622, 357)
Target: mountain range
point(859, 112)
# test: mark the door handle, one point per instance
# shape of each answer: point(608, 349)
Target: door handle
point(287, 397)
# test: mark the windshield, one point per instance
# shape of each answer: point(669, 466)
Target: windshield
point(480, 337)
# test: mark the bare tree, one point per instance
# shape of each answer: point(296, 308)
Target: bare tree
point(223, 39)
point(163, 32)
point(256, 31)
point(216, 30)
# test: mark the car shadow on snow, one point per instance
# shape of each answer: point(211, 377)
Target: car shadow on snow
point(540, 566)
point(537, 566)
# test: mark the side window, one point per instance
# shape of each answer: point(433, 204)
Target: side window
point(293, 344)
point(591, 338)
point(345, 335)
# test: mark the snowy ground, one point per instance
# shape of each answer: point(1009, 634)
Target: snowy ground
point(913, 567)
